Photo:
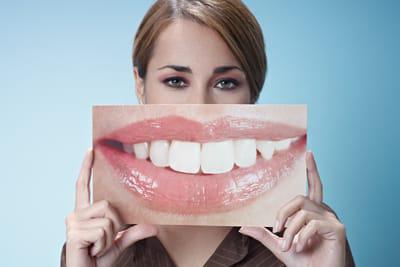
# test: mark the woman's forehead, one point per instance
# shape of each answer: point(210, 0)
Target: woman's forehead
point(188, 43)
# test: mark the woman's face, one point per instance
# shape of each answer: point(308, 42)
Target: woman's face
point(192, 64)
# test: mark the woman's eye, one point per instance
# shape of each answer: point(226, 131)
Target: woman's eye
point(175, 82)
point(227, 84)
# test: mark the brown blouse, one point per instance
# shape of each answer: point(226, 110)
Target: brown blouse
point(235, 250)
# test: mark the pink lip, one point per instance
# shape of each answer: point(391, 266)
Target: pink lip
point(165, 190)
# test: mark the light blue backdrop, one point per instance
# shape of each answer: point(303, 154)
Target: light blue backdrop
point(57, 59)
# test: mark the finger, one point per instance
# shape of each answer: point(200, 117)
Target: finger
point(313, 228)
point(134, 234)
point(293, 206)
point(300, 219)
point(84, 238)
point(106, 224)
point(96, 223)
point(100, 243)
point(100, 209)
point(313, 178)
point(82, 197)
point(267, 238)
point(129, 237)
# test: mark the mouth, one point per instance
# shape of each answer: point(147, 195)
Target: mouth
point(176, 165)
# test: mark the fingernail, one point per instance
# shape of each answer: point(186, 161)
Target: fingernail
point(275, 229)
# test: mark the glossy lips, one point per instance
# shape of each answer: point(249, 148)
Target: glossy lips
point(165, 190)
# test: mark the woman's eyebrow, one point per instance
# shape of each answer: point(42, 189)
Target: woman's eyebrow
point(224, 69)
point(217, 70)
point(177, 68)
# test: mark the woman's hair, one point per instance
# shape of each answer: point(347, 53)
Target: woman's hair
point(230, 18)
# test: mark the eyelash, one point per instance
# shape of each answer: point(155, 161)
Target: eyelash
point(180, 80)
point(232, 81)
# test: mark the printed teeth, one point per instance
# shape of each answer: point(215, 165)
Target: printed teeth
point(141, 150)
point(184, 156)
point(245, 152)
point(127, 148)
point(266, 148)
point(282, 144)
point(217, 157)
point(159, 150)
point(208, 158)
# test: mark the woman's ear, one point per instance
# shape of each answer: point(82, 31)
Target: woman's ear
point(139, 86)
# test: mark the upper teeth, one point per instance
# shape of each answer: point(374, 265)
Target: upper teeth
point(184, 156)
point(245, 152)
point(141, 150)
point(266, 148)
point(210, 157)
point(217, 157)
point(159, 153)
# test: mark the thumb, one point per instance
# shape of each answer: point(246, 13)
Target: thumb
point(130, 236)
point(134, 234)
point(266, 237)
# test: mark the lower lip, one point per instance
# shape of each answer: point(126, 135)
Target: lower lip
point(165, 190)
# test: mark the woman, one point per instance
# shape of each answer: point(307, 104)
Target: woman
point(209, 52)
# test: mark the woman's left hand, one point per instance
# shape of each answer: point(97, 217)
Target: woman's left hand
point(314, 236)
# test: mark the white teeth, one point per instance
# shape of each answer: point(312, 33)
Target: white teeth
point(211, 157)
point(141, 150)
point(282, 144)
point(127, 148)
point(266, 148)
point(159, 153)
point(294, 139)
point(245, 152)
point(184, 156)
point(217, 157)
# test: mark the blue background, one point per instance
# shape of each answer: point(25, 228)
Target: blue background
point(58, 58)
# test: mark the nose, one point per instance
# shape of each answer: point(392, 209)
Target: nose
point(199, 95)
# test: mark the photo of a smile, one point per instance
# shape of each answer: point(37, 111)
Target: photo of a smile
point(177, 165)
point(199, 164)
point(188, 167)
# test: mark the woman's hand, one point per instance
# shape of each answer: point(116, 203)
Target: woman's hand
point(313, 237)
point(94, 236)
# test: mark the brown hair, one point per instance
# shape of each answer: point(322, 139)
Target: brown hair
point(230, 18)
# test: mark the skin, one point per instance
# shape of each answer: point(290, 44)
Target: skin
point(314, 236)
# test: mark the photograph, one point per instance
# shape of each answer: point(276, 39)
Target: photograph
point(199, 164)
point(190, 133)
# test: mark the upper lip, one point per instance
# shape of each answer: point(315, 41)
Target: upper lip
point(184, 129)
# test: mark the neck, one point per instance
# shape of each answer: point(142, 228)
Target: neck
point(191, 245)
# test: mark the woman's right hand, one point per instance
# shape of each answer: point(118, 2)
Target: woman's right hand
point(94, 232)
